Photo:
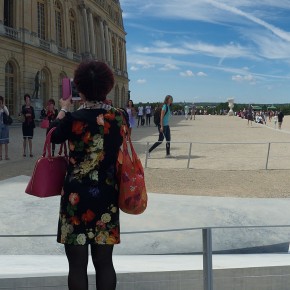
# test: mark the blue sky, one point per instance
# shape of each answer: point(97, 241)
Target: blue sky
point(208, 50)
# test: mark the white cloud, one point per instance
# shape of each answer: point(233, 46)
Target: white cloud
point(133, 68)
point(141, 81)
point(145, 64)
point(187, 73)
point(244, 78)
point(168, 67)
point(201, 74)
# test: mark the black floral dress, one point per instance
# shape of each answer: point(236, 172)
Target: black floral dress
point(89, 212)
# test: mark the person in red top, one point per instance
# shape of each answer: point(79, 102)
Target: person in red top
point(50, 113)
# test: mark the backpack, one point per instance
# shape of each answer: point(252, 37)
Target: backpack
point(157, 115)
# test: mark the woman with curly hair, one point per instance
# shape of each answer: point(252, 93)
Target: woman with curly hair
point(89, 212)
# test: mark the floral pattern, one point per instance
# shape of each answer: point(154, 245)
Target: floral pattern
point(89, 212)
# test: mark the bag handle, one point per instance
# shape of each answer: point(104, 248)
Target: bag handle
point(47, 147)
point(127, 138)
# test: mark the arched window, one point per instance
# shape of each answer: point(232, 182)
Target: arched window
point(114, 52)
point(44, 86)
point(73, 36)
point(10, 87)
point(41, 19)
point(58, 25)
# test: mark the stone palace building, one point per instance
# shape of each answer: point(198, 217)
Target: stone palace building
point(52, 37)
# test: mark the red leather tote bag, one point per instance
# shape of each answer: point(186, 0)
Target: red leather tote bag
point(49, 172)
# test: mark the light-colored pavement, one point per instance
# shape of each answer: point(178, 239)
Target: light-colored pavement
point(215, 169)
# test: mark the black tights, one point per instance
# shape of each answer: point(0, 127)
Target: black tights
point(78, 261)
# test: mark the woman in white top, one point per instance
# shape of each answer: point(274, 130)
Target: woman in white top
point(4, 130)
point(132, 115)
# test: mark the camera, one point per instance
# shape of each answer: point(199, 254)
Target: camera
point(69, 89)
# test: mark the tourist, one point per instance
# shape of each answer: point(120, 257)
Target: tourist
point(163, 127)
point(186, 111)
point(275, 118)
point(131, 114)
point(140, 114)
point(28, 125)
point(89, 213)
point(50, 113)
point(250, 115)
point(280, 119)
point(148, 114)
point(4, 130)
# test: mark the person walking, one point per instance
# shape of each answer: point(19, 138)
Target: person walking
point(50, 113)
point(148, 114)
point(131, 114)
point(163, 127)
point(28, 125)
point(280, 119)
point(4, 130)
point(140, 114)
point(89, 212)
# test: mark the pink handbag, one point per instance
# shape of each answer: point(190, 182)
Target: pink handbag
point(132, 190)
point(44, 124)
point(49, 172)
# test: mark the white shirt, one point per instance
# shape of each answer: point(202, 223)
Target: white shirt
point(140, 111)
point(148, 109)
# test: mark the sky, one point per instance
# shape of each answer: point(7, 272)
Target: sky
point(208, 50)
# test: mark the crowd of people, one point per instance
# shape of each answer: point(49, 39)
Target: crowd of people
point(262, 117)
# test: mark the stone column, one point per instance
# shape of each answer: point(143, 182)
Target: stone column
point(102, 40)
point(92, 33)
point(118, 55)
point(86, 28)
point(18, 14)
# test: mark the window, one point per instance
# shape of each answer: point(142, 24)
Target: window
point(58, 25)
point(41, 25)
point(8, 13)
point(72, 24)
point(10, 81)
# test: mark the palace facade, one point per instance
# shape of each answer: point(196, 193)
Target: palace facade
point(52, 37)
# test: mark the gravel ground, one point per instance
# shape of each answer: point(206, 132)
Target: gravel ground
point(245, 175)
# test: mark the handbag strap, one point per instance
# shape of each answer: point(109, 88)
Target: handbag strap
point(127, 138)
point(47, 147)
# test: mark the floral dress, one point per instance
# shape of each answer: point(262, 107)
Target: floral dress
point(89, 212)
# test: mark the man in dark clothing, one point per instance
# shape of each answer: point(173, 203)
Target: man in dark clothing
point(280, 119)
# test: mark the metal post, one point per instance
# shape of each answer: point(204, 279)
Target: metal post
point(146, 157)
point(189, 154)
point(269, 145)
point(207, 259)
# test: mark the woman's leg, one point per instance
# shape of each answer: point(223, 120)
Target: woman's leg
point(168, 138)
point(78, 262)
point(160, 139)
point(24, 146)
point(6, 151)
point(0, 151)
point(30, 146)
point(105, 273)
